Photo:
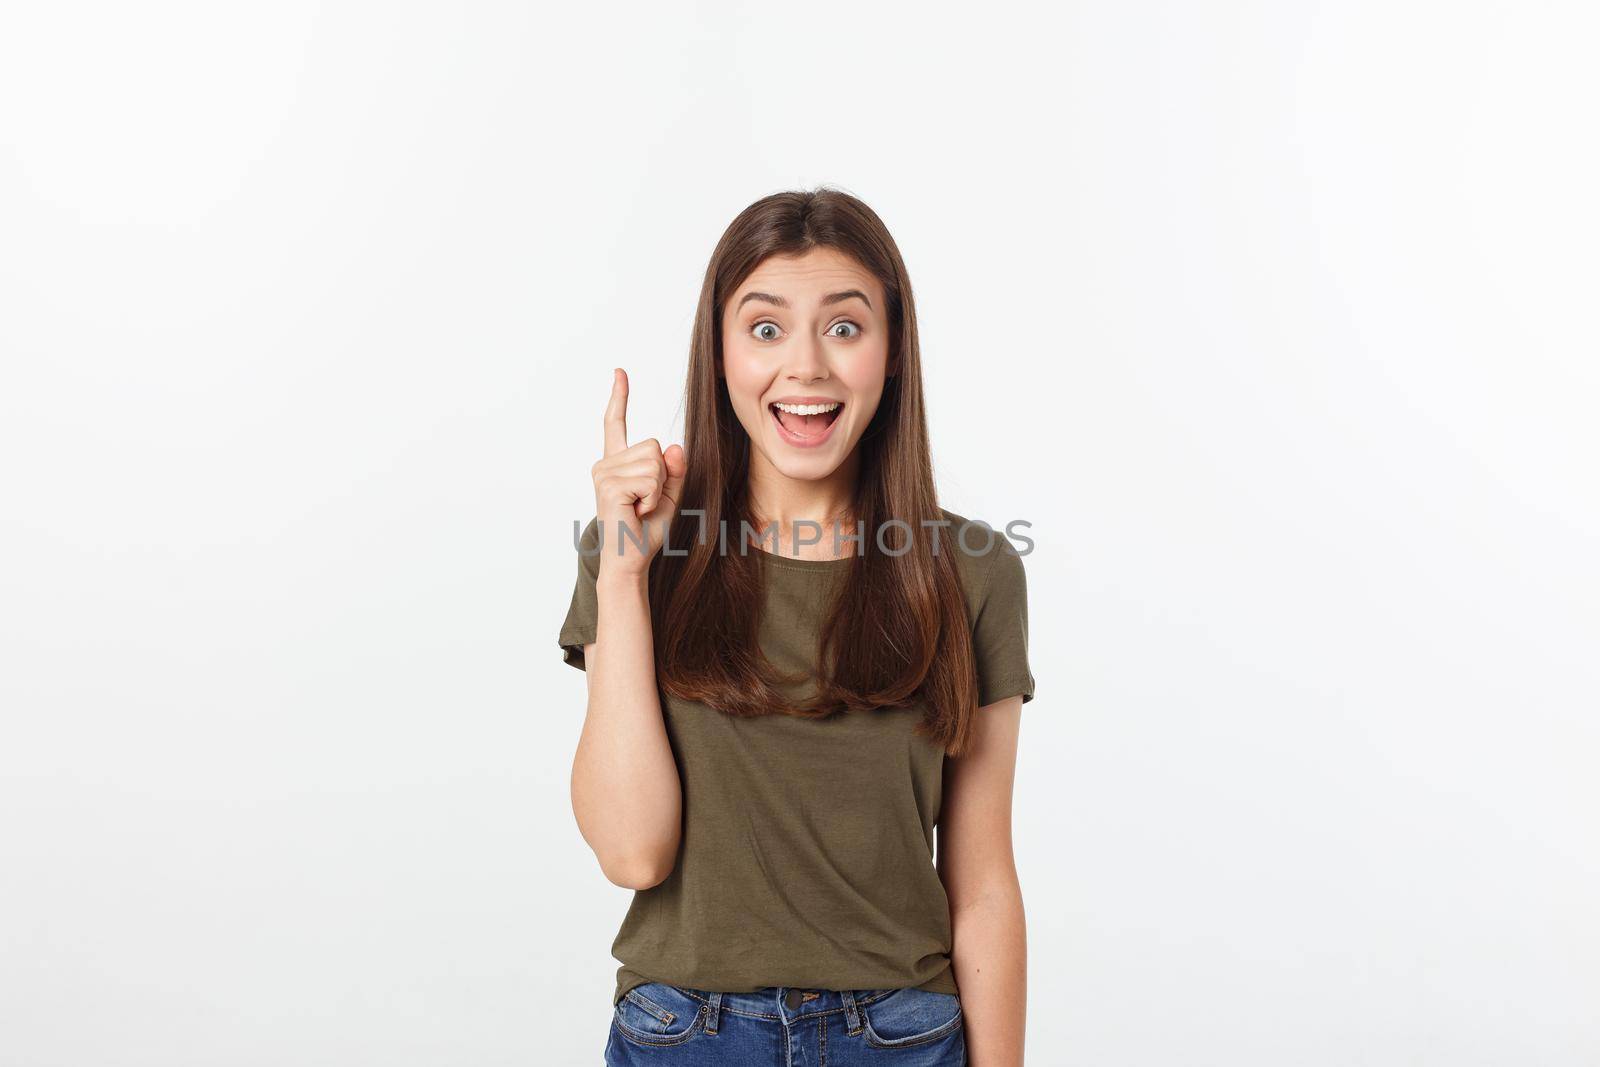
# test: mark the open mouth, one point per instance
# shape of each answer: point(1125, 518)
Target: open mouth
point(805, 425)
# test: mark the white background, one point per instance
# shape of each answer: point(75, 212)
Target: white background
point(1276, 319)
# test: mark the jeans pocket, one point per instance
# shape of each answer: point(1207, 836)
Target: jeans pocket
point(911, 1017)
point(658, 1014)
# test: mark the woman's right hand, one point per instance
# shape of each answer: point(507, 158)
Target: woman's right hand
point(636, 487)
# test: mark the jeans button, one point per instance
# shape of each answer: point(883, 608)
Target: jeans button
point(791, 1000)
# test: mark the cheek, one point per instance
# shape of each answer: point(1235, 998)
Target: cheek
point(865, 377)
point(745, 384)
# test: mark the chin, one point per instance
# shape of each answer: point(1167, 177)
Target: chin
point(801, 468)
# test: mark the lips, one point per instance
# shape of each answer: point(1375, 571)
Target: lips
point(804, 431)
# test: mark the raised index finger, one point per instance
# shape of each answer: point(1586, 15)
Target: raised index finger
point(617, 413)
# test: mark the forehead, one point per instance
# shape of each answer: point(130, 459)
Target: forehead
point(809, 276)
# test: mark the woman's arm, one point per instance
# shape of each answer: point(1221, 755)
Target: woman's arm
point(625, 789)
point(979, 872)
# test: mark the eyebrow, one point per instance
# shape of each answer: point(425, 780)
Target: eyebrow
point(831, 298)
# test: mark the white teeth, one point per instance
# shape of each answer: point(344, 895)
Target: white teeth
point(806, 409)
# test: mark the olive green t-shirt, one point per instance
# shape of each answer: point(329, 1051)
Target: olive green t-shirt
point(807, 854)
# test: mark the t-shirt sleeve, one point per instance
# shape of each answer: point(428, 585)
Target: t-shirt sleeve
point(578, 629)
point(1000, 635)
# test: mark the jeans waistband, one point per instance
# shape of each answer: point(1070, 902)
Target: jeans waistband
point(773, 1003)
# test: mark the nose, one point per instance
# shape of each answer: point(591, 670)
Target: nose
point(807, 360)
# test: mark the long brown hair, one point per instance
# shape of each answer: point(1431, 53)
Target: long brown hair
point(897, 633)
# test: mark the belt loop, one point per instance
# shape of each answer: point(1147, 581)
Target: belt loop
point(712, 1012)
point(852, 1014)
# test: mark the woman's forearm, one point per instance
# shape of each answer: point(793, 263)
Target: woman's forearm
point(990, 958)
point(625, 789)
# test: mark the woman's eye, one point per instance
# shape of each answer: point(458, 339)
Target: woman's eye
point(760, 326)
point(845, 322)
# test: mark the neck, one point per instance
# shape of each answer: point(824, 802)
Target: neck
point(776, 498)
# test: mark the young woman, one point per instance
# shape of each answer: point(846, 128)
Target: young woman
point(799, 666)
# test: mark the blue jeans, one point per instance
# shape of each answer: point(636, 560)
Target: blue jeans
point(657, 1023)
